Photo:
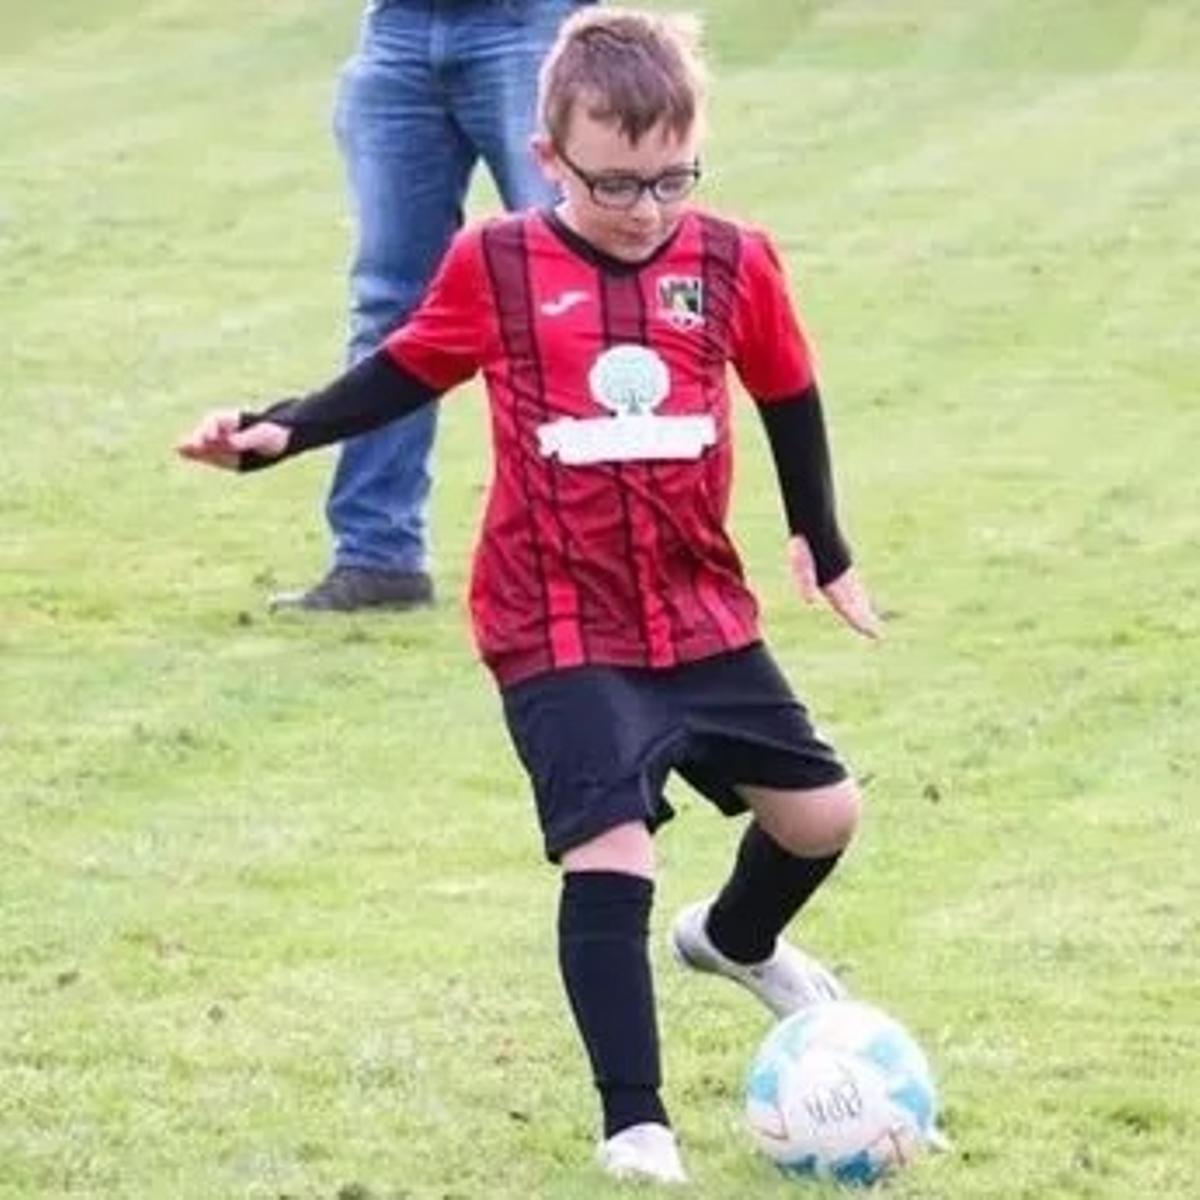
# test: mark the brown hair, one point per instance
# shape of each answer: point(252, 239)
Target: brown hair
point(634, 69)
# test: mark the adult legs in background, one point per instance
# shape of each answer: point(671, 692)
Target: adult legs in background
point(433, 87)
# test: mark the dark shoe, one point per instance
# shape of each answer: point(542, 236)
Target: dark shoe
point(349, 589)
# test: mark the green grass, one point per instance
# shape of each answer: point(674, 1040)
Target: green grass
point(272, 917)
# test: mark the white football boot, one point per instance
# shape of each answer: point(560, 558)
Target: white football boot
point(786, 982)
point(646, 1152)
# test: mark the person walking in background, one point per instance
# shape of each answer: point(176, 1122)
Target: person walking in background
point(434, 86)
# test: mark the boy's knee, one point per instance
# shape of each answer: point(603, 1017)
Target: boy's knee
point(818, 822)
point(844, 815)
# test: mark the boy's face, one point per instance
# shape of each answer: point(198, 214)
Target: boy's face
point(600, 171)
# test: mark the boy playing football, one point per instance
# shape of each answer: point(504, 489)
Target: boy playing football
point(607, 598)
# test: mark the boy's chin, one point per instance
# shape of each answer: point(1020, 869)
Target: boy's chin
point(634, 249)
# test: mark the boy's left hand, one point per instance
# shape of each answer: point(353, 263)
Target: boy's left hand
point(845, 594)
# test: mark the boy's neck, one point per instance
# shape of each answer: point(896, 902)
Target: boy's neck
point(559, 219)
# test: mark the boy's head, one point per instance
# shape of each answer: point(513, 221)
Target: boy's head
point(620, 102)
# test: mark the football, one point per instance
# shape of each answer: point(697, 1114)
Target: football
point(841, 1091)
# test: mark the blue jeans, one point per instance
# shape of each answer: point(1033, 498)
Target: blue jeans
point(434, 86)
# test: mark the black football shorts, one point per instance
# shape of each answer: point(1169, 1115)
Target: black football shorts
point(598, 742)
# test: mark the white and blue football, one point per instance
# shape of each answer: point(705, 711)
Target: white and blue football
point(841, 1091)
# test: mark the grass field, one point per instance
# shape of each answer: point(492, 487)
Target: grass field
point(273, 921)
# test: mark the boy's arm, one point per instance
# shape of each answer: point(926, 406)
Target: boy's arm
point(439, 347)
point(821, 559)
point(796, 431)
point(372, 393)
point(772, 357)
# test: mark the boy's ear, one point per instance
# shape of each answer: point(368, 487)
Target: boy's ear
point(546, 157)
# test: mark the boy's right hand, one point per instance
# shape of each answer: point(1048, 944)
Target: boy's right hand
point(219, 442)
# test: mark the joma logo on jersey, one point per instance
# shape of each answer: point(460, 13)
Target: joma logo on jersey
point(681, 300)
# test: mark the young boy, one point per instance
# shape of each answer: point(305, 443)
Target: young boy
point(607, 598)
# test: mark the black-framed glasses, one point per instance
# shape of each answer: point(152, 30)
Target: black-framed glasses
point(619, 190)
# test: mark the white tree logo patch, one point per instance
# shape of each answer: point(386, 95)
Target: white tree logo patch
point(630, 381)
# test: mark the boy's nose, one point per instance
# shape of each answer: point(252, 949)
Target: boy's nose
point(646, 204)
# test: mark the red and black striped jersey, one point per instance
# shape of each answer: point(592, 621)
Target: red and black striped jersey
point(604, 537)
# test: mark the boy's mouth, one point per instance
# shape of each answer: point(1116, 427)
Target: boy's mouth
point(639, 245)
point(643, 234)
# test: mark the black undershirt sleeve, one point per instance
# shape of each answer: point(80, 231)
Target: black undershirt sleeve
point(796, 430)
point(372, 393)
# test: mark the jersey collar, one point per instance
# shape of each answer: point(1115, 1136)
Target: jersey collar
point(605, 262)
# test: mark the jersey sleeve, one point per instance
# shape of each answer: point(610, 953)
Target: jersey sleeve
point(768, 349)
point(442, 343)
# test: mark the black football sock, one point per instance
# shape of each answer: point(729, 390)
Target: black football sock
point(767, 889)
point(603, 924)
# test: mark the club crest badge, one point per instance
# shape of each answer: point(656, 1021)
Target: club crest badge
point(681, 300)
point(630, 381)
